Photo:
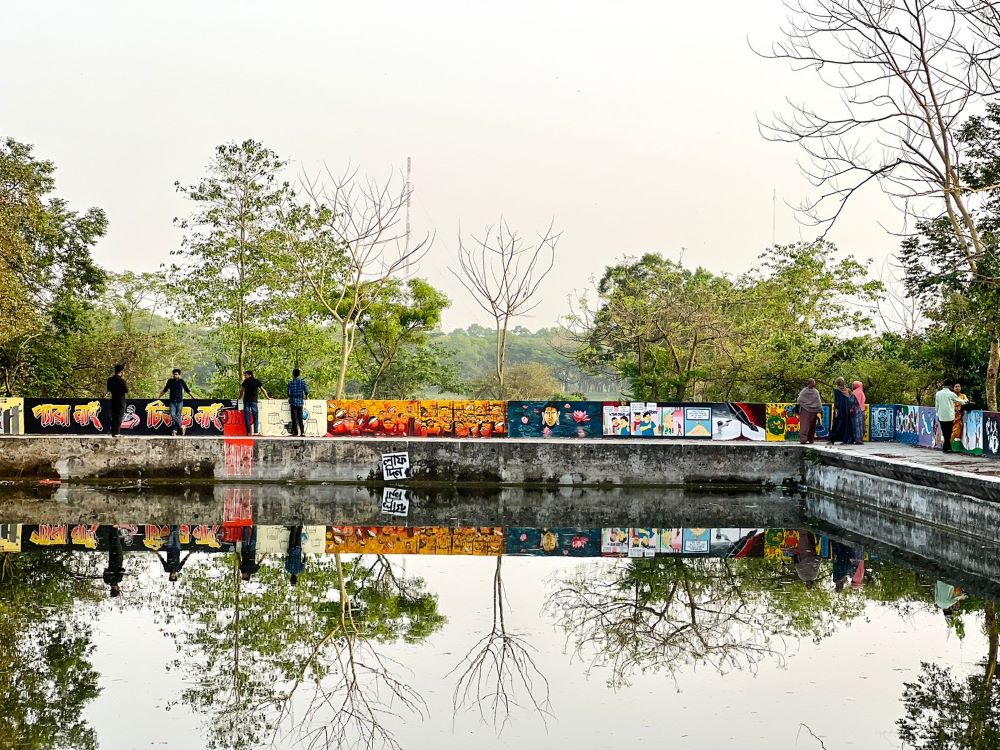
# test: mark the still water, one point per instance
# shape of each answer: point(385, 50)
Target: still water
point(521, 630)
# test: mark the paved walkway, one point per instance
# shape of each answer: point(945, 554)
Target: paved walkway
point(911, 454)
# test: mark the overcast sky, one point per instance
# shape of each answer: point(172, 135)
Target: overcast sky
point(632, 124)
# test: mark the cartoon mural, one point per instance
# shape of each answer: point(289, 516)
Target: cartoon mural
point(698, 421)
point(696, 541)
point(616, 420)
point(672, 420)
point(782, 422)
point(477, 419)
point(614, 542)
point(370, 418)
point(554, 419)
point(645, 419)
point(276, 417)
point(734, 421)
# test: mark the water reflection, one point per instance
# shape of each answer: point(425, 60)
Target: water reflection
point(290, 635)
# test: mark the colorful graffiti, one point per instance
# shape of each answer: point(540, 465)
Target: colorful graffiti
point(418, 540)
point(782, 422)
point(991, 434)
point(928, 429)
point(907, 425)
point(554, 419)
point(142, 417)
point(370, 418)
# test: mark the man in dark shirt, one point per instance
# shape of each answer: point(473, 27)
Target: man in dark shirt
point(173, 563)
point(249, 564)
point(250, 391)
point(298, 392)
point(117, 390)
point(176, 387)
point(115, 571)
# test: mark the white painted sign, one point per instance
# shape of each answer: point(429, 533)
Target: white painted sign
point(395, 466)
point(395, 501)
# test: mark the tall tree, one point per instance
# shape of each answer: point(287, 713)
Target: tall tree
point(907, 73)
point(227, 265)
point(503, 273)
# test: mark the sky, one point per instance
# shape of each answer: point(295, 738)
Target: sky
point(631, 125)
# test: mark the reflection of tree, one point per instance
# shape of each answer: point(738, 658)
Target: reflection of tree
point(667, 613)
point(46, 678)
point(266, 658)
point(498, 667)
point(944, 712)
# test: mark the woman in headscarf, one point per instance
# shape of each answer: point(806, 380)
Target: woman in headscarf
point(842, 429)
point(810, 407)
point(858, 416)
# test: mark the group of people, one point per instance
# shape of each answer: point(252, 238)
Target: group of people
point(173, 563)
point(251, 389)
point(848, 419)
point(848, 563)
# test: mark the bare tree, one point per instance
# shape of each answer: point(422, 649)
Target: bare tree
point(350, 243)
point(498, 668)
point(907, 72)
point(503, 273)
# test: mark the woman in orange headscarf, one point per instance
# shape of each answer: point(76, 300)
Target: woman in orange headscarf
point(858, 416)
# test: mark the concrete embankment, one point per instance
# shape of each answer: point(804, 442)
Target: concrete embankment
point(507, 461)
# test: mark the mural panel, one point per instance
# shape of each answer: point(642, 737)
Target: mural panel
point(142, 417)
point(645, 419)
point(672, 420)
point(782, 422)
point(370, 418)
point(991, 434)
point(276, 417)
point(614, 542)
point(696, 541)
point(737, 421)
point(556, 542)
point(555, 419)
point(434, 419)
point(907, 425)
point(927, 427)
point(972, 433)
point(615, 419)
point(698, 421)
point(882, 422)
point(11, 416)
point(488, 540)
point(478, 419)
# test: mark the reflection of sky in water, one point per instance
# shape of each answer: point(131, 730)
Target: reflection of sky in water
point(847, 688)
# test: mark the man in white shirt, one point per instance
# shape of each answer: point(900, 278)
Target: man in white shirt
point(944, 401)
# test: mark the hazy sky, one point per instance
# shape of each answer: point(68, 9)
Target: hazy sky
point(632, 124)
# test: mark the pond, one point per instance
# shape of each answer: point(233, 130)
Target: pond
point(517, 627)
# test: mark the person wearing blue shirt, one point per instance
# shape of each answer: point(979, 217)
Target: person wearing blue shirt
point(176, 387)
point(298, 392)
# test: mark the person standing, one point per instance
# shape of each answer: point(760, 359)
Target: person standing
point(810, 407)
point(176, 387)
point(117, 389)
point(858, 414)
point(298, 392)
point(294, 561)
point(959, 426)
point(842, 429)
point(250, 390)
point(944, 403)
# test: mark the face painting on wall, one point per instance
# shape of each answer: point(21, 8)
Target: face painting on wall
point(555, 419)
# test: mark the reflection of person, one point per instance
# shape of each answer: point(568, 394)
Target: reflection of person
point(842, 429)
point(294, 561)
point(250, 390)
point(807, 562)
point(172, 564)
point(948, 597)
point(117, 389)
point(944, 402)
point(115, 571)
point(810, 407)
point(176, 386)
point(249, 564)
point(298, 392)
point(848, 562)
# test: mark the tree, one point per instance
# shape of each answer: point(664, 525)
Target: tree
point(907, 72)
point(397, 324)
point(48, 275)
point(350, 246)
point(227, 258)
point(503, 274)
point(529, 381)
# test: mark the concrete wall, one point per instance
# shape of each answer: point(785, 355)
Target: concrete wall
point(509, 461)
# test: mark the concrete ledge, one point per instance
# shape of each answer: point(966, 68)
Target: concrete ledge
point(507, 461)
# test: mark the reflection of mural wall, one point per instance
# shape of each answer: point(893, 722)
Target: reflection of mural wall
point(419, 540)
point(991, 434)
point(738, 421)
point(557, 542)
point(556, 419)
point(11, 416)
point(882, 422)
